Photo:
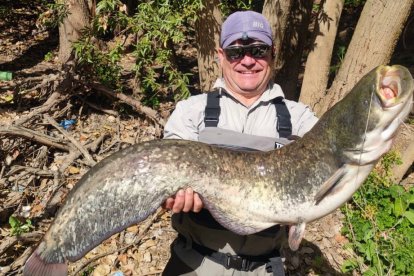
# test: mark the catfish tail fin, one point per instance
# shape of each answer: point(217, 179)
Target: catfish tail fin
point(35, 266)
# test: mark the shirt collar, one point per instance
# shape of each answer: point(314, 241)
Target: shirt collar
point(272, 91)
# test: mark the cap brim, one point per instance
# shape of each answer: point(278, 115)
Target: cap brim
point(256, 35)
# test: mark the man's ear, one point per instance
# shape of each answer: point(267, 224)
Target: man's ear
point(220, 55)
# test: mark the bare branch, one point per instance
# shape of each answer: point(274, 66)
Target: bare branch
point(149, 112)
point(53, 99)
point(27, 237)
point(85, 153)
point(20, 131)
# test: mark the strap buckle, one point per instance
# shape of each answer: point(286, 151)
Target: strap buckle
point(212, 113)
point(282, 127)
point(236, 262)
point(211, 116)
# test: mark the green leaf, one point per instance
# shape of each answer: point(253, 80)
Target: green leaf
point(8, 98)
point(396, 191)
point(349, 265)
point(399, 207)
point(410, 198)
point(410, 216)
point(14, 222)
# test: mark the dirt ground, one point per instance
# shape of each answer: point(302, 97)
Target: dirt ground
point(139, 250)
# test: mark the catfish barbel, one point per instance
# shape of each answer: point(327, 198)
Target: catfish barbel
point(246, 192)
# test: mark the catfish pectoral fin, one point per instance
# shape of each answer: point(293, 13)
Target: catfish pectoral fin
point(329, 185)
point(35, 266)
point(296, 234)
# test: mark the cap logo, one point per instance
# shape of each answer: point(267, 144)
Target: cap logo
point(258, 24)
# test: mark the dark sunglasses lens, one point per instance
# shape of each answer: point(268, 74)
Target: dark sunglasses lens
point(234, 52)
point(237, 52)
point(259, 51)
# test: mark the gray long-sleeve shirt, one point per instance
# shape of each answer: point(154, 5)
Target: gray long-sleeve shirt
point(187, 120)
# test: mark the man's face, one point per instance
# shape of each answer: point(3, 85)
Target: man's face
point(245, 74)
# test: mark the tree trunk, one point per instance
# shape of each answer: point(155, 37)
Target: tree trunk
point(372, 44)
point(208, 28)
point(277, 13)
point(77, 19)
point(404, 145)
point(292, 48)
point(316, 75)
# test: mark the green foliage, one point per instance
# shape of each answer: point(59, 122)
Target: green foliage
point(316, 7)
point(104, 65)
point(109, 17)
point(49, 56)
point(229, 6)
point(164, 25)
point(380, 225)
point(340, 55)
point(88, 271)
point(159, 26)
point(348, 3)
point(354, 3)
point(3, 13)
point(18, 227)
point(54, 15)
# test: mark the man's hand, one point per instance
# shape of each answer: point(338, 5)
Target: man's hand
point(184, 201)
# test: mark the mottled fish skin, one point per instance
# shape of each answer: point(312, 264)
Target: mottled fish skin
point(245, 191)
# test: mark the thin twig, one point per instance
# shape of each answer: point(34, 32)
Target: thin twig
point(149, 112)
point(33, 135)
point(17, 168)
point(93, 146)
point(85, 153)
point(53, 99)
point(104, 110)
point(69, 159)
point(12, 240)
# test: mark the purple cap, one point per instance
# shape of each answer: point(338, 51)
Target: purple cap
point(244, 25)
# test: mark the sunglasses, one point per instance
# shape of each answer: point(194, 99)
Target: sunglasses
point(239, 51)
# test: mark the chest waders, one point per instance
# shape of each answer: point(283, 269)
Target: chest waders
point(211, 134)
point(240, 141)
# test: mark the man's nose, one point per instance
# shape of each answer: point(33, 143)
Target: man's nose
point(248, 59)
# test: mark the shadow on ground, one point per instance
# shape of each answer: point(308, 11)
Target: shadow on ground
point(32, 55)
point(309, 260)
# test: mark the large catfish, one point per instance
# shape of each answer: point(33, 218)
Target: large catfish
point(246, 192)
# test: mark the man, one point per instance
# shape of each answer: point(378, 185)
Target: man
point(247, 112)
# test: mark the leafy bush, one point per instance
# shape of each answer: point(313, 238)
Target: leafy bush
point(159, 26)
point(162, 24)
point(104, 65)
point(380, 225)
point(229, 6)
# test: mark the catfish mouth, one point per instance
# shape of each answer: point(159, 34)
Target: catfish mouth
point(389, 87)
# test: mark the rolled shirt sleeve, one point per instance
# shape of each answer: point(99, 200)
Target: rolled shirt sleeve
point(186, 119)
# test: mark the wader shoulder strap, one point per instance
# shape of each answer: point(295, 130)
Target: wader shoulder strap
point(284, 125)
point(212, 111)
point(212, 114)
